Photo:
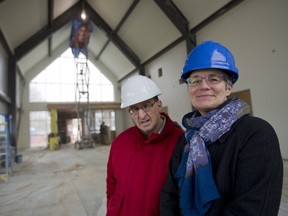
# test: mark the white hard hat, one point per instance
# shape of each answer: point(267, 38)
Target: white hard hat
point(137, 89)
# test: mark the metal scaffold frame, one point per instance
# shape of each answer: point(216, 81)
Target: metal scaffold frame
point(84, 138)
point(7, 153)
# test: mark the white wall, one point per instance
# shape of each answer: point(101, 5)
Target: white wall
point(174, 95)
point(256, 32)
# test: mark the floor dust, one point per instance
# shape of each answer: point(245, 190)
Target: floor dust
point(62, 182)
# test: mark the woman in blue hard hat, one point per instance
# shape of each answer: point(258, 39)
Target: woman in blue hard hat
point(228, 162)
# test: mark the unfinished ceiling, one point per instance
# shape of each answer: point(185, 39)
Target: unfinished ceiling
point(127, 34)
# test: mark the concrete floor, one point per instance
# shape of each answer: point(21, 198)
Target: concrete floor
point(66, 182)
point(62, 182)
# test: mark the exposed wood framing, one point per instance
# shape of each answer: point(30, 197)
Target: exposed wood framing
point(193, 31)
point(93, 106)
point(179, 21)
point(50, 20)
point(111, 34)
point(46, 31)
point(122, 21)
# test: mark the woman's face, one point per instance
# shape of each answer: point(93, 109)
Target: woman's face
point(204, 96)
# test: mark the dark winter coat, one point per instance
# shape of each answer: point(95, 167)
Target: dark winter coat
point(137, 169)
point(247, 169)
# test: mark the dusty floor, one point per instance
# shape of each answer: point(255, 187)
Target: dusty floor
point(63, 182)
point(66, 182)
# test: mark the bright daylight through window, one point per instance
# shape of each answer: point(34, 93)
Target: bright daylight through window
point(56, 83)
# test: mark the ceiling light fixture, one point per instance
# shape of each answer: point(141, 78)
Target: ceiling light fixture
point(83, 15)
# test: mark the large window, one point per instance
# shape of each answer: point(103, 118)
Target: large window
point(39, 128)
point(57, 82)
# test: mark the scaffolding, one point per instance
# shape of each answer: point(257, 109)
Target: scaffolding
point(7, 153)
point(79, 38)
point(84, 139)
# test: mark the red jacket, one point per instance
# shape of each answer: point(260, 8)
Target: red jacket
point(137, 168)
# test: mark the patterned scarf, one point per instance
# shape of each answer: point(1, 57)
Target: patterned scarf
point(194, 174)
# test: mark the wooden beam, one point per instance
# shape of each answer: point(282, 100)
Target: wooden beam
point(50, 20)
point(47, 31)
point(178, 19)
point(111, 34)
point(193, 31)
point(122, 21)
point(93, 106)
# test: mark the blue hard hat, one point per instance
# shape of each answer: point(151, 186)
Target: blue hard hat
point(207, 55)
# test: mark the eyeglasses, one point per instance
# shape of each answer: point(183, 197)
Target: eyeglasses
point(146, 107)
point(211, 79)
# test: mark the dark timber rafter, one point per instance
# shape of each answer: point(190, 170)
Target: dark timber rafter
point(178, 19)
point(52, 26)
point(46, 31)
point(50, 20)
point(111, 34)
point(230, 5)
point(122, 21)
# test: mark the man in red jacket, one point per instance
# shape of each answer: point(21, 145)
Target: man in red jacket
point(139, 156)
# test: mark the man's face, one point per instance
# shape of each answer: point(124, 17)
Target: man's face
point(146, 116)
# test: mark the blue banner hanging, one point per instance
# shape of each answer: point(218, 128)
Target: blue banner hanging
point(79, 37)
